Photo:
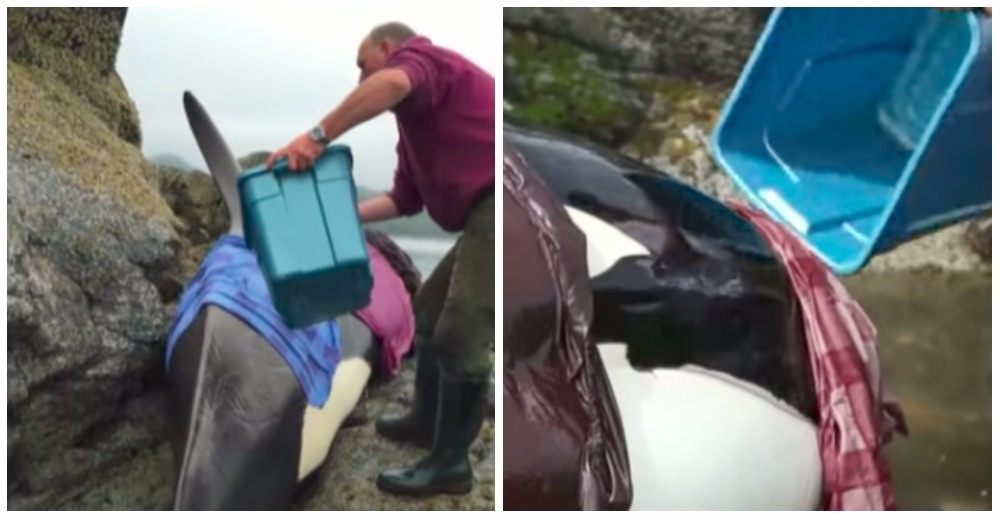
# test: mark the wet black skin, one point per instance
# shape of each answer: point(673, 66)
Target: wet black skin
point(235, 412)
point(711, 293)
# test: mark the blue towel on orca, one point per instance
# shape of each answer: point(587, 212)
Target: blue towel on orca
point(230, 278)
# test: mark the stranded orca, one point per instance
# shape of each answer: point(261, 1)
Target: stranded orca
point(244, 435)
point(713, 382)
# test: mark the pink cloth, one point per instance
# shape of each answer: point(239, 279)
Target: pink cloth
point(390, 313)
point(857, 416)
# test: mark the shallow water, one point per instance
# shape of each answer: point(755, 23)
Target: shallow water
point(935, 346)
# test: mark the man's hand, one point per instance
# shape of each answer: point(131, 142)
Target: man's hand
point(301, 152)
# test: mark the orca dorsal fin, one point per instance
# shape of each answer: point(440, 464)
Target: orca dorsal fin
point(221, 163)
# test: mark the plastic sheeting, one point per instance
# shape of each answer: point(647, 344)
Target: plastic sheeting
point(564, 447)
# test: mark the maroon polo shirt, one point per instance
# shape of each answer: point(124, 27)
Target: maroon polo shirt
point(446, 134)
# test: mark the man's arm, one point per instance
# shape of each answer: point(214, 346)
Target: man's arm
point(403, 200)
point(375, 95)
point(377, 209)
point(380, 92)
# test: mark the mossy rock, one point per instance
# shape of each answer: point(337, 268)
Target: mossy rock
point(79, 47)
point(551, 82)
point(615, 75)
point(685, 114)
point(703, 44)
point(40, 107)
point(197, 202)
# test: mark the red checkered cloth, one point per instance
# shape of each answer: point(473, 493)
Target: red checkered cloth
point(857, 415)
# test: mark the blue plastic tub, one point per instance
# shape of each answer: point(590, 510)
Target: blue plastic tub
point(305, 231)
point(862, 128)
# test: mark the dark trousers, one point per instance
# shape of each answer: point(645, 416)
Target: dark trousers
point(454, 308)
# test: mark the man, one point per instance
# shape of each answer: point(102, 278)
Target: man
point(444, 107)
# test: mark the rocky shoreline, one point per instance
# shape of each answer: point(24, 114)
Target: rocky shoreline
point(346, 483)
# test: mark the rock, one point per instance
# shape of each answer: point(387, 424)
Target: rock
point(92, 255)
point(552, 82)
point(80, 46)
point(980, 237)
point(704, 44)
point(197, 202)
point(86, 326)
point(605, 72)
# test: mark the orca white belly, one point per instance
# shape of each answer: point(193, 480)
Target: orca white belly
point(700, 440)
point(320, 425)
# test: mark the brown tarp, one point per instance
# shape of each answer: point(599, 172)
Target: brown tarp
point(564, 448)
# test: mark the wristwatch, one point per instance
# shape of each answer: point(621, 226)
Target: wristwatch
point(319, 135)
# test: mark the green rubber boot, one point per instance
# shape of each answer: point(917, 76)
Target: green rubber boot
point(461, 412)
point(416, 426)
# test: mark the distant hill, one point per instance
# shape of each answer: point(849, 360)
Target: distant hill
point(171, 160)
point(254, 159)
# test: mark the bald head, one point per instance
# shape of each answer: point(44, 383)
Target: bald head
point(375, 49)
point(392, 32)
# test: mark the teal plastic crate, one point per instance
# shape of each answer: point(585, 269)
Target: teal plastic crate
point(305, 231)
point(863, 128)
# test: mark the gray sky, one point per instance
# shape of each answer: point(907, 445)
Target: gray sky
point(267, 74)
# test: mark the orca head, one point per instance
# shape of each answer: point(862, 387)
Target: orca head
point(669, 310)
point(220, 161)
